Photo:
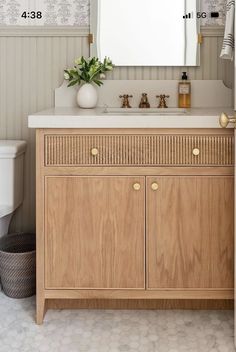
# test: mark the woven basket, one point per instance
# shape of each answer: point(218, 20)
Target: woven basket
point(18, 265)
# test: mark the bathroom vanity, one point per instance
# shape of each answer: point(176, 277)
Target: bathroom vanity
point(130, 208)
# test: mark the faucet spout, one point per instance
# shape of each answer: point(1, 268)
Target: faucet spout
point(144, 103)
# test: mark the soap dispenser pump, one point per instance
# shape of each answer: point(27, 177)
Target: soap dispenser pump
point(184, 92)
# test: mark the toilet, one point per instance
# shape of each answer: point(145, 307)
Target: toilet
point(11, 180)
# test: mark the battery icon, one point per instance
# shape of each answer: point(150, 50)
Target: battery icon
point(215, 15)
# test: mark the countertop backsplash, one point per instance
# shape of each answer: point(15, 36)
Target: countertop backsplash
point(75, 12)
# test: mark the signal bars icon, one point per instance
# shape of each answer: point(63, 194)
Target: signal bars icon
point(188, 16)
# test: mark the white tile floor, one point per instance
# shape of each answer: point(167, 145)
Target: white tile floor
point(113, 331)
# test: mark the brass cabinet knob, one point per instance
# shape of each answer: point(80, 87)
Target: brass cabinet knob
point(136, 186)
point(94, 152)
point(155, 186)
point(225, 120)
point(196, 151)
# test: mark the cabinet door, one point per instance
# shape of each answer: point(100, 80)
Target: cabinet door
point(190, 232)
point(95, 232)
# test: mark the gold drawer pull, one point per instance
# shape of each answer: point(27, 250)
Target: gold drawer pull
point(136, 186)
point(196, 152)
point(94, 152)
point(155, 186)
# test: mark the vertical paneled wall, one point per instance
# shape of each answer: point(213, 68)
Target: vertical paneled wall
point(31, 67)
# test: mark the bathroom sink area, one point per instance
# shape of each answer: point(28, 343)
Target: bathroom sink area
point(152, 111)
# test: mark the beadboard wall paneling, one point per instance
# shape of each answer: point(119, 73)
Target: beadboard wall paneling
point(31, 67)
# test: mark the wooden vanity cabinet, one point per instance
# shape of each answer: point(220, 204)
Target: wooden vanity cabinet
point(95, 232)
point(134, 215)
point(190, 232)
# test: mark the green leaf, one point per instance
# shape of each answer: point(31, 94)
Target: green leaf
point(73, 83)
point(88, 70)
point(99, 83)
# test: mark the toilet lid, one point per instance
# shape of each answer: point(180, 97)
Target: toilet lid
point(11, 148)
point(5, 210)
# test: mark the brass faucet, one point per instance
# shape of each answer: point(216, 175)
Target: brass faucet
point(125, 101)
point(162, 103)
point(144, 103)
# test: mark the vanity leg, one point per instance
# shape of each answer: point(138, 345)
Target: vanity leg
point(40, 309)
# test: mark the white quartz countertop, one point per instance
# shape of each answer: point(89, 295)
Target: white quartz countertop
point(97, 118)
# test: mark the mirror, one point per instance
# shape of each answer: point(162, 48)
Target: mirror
point(146, 33)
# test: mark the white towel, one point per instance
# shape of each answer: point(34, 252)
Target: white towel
point(228, 42)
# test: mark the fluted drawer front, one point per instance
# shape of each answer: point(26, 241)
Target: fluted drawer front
point(138, 150)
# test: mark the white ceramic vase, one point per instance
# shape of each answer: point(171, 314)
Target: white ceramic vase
point(87, 96)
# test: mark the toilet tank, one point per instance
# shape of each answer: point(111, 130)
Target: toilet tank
point(11, 173)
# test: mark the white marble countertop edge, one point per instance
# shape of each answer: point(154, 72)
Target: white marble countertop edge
point(96, 118)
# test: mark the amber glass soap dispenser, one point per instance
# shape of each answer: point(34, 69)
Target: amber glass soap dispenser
point(184, 92)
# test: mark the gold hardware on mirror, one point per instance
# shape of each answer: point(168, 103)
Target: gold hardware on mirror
point(196, 151)
point(125, 101)
point(225, 120)
point(155, 186)
point(144, 103)
point(200, 38)
point(162, 103)
point(90, 38)
point(94, 151)
point(136, 186)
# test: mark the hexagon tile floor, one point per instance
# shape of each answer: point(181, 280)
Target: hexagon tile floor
point(113, 331)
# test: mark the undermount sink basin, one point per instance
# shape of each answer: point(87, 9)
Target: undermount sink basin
point(137, 111)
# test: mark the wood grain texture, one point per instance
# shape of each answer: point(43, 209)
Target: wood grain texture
point(95, 232)
point(141, 304)
point(179, 294)
point(71, 193)
point(140, 170)
point(190, 232)
point(139, 150)
point(40, 220)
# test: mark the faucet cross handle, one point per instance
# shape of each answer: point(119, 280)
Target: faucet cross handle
point(162, 103)
point(125, 101)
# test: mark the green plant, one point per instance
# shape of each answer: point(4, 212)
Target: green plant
point(90, 70)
